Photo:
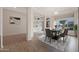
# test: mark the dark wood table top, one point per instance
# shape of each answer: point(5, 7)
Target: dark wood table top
point(56, 32)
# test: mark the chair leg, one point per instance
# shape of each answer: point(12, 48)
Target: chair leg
point(63, 39)
point(45, 38)
point(67, 37)
point(50, 40)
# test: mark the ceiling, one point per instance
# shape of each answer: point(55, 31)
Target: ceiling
point(17, 9)
point(45, 10)
point(52, 10)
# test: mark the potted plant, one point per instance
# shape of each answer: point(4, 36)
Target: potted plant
point(75, 29)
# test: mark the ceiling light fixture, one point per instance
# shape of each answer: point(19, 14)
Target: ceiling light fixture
point(56, 13)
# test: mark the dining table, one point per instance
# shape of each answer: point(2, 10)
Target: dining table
point(55, 34)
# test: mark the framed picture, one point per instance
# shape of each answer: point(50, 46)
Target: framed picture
point(14, 20)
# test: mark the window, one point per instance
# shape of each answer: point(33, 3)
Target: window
point(67, 22)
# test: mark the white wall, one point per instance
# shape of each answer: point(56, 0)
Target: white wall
point(0, 21)
point(76, 16)
point(12, 29)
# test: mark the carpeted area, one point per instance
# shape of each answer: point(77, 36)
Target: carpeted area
point(59, 44)
point(69, 45)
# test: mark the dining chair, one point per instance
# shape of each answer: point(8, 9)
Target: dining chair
point(48, 34)
point(64, 34)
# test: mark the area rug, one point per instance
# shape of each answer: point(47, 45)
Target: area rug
point(56, 44)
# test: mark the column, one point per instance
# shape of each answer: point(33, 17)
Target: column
point(30, 23)
point(1, 25)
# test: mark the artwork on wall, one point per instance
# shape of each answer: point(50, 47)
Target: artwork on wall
point(14, 20)
point(38, 24)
